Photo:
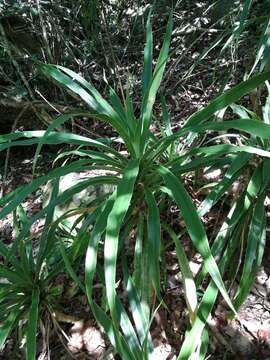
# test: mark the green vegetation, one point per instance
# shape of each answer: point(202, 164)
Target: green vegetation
point(121, 234)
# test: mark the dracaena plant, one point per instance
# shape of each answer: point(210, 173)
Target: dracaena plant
point(251, 170)
point(27, 276)
point(145, 171)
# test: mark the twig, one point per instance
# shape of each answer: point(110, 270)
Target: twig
point(44, 32)
point(48, 102)
point(173, 66)
point(43, 116)
point(37, 105)
point(14, 62)
point(8, 153)
point(112, 52)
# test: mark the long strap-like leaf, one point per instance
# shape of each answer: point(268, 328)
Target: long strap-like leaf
point(152, 86)
point(193, 336)
point(252, 127)
point(114, 223)
point(117, 340)
point(227, 98)
point(195, 228)
point(31, 338)
point(153, 238)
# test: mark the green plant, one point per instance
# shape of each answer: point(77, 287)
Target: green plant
point(27, 274)
point(146, 172)
point(240, 242)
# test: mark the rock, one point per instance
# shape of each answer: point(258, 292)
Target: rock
point(86, 337)
point(261, 277)
point(94, 342)
point(79, 199)
point(267, 285)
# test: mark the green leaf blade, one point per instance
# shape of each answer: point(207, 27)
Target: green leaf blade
point(31, 343)
point(115, 218)
point(194, 228)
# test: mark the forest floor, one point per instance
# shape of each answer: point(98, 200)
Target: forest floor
point(77, 335)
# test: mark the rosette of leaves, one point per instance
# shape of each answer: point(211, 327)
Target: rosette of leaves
point(28, 269)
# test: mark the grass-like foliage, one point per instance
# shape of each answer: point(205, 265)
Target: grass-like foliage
point(27, 280)
point(147, 174)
